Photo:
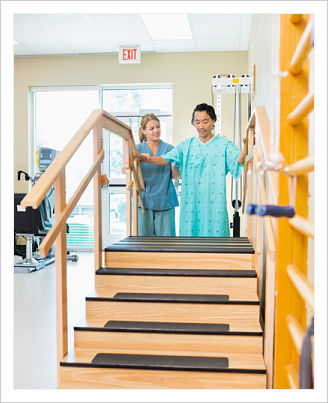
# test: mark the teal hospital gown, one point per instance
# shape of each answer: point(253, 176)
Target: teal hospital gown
point(204, 167)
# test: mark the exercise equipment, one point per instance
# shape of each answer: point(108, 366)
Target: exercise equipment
point(33, 224)
point(288, 211)
point(233, 85)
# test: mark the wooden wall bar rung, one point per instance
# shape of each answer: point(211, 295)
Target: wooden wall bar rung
point(296, 18)
point(304, 288)
point(302, 225)
point(302, 50)
point(292, 376)
point(296, 332)
point(302, 110)
point(302, 167)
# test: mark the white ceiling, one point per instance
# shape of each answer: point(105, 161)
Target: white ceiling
point(64, 34)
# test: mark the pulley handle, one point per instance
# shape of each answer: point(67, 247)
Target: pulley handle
point(250, 209)
point(275, 211)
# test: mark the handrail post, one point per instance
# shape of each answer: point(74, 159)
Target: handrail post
point(61, 272)
point(135, 204)
point(127, 171)
point(97, 147)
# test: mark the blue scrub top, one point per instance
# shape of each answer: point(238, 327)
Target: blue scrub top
point(159, 193)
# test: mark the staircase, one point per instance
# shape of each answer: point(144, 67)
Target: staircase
point(170, 312)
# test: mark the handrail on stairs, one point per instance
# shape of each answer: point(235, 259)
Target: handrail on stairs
point(258, 135)
point(55, 175)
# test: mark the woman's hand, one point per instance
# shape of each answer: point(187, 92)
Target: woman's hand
point(141, 157)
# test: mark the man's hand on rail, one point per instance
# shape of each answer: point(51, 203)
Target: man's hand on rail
point(243, 153)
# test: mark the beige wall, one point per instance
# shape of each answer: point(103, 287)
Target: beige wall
point(190, 73)
point(260, 53)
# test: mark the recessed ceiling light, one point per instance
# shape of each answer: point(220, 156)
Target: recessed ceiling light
point(167, 26)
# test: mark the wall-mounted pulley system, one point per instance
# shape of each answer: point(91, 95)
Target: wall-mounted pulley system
point(231, 84)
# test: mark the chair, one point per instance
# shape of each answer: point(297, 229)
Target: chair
point(30, 223)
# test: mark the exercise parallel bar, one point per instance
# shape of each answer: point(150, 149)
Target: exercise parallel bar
point(302, 167)
point(302, 225)
point(301, 110)
point(304, 288)
point(302, 50)
point(296, 332)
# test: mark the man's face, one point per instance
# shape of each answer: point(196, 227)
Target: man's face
point(203, 124)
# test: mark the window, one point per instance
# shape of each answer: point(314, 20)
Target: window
point(129, 105)
point(59, 112)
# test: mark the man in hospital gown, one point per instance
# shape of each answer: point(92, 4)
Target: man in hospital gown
point(204, 162)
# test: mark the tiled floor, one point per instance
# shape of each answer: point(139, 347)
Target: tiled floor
point(35, 320)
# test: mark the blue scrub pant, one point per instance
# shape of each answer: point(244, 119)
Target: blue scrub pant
point(156, 222)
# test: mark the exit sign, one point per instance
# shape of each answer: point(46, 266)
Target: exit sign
point(129, 54)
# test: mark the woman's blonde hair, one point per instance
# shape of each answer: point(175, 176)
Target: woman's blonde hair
point(144, 120)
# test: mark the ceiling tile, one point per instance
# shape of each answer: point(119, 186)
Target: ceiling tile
point(55, 49)
point(128, 28)
point(23, 51)
point(187, 45)
point(217, 45)
point(95, 47)
point(211, 26)
point(104, 33)
point(30, 29)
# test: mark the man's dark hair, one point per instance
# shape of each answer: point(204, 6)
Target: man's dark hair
point(204, 107)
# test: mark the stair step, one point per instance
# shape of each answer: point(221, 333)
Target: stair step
point(204, 310)
point(238, 284)
point(141, 337)
point(181, 252)
point(172, 298)
point(83, 370)
point(135, 326)
point(175, 272)
point(170, 362)
point(183, 244)
point(166, 327)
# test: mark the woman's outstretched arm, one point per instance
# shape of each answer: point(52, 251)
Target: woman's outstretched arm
point(151, 160)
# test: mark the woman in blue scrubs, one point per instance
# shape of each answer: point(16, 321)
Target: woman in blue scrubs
point(159, 197)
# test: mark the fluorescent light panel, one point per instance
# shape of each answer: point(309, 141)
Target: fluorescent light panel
point(167, 26)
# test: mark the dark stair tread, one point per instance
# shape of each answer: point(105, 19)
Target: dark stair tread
point(182, 244)
point(161, 362)
point(175, 272)
point(170, 298)
point(128, 326)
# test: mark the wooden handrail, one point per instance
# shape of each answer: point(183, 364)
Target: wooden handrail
point(260, 119)
point(302, 225)
point(41, 188)
point(304, 288)
point(302, 167)
point(296, 332)
point(55, 176)
point(302, 50)
point(269, 239)
point(48, 178)
point(302, 110)
point(52, 234)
